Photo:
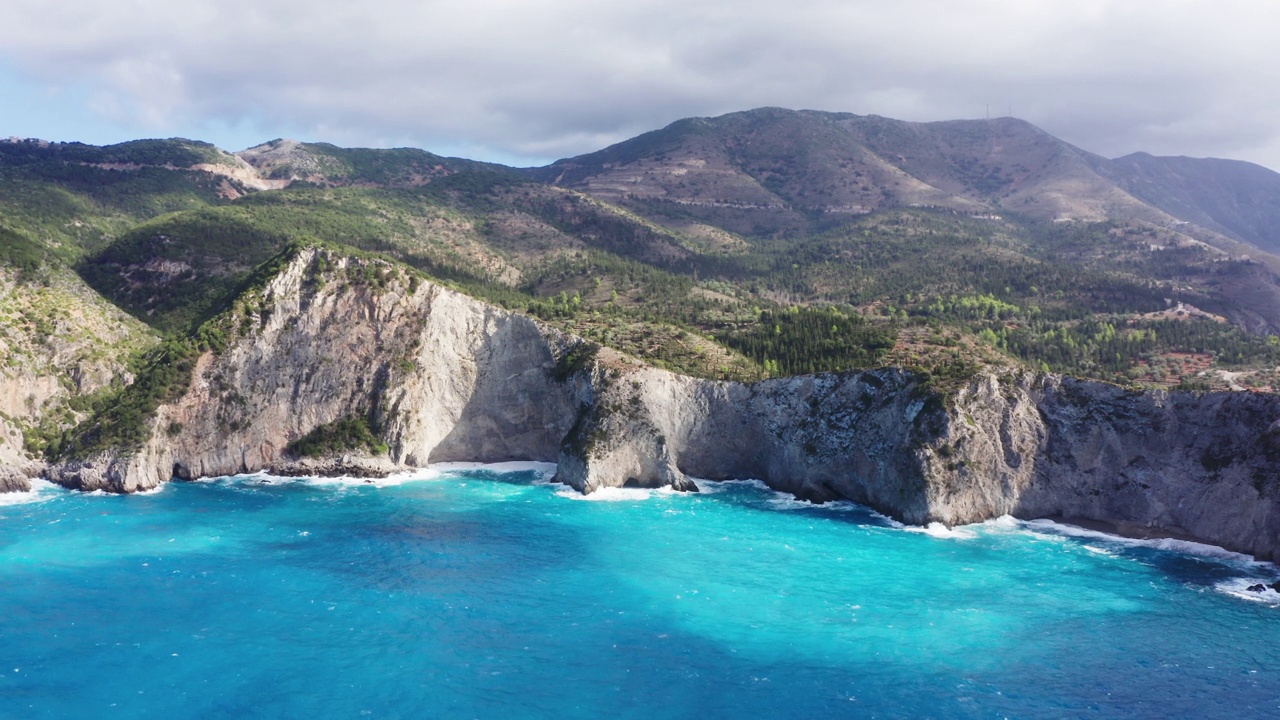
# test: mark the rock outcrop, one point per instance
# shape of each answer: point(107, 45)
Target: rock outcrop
point(1022, 444)
point(1203, 465)
point(441, 376)
point(59, 341)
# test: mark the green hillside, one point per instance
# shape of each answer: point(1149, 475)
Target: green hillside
point(168, 230)
point(75, 198)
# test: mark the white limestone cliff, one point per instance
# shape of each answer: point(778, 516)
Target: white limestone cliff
point(445, 377)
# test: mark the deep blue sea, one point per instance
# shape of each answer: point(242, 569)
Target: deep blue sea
point(490, 593)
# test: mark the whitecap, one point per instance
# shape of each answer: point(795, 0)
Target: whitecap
point(888, 521)
point(41, 491)
point(710, 487)
point(252, 480)
point(1058, 528)
point(260, 477)
point(1239, 587)
point(616, 494)
point(542, 469)
point(1185, 547)
point(938, 530)
point(715, 486)
point(345, 481)
point(1189, 547)
point(1003, 523)
point(782, 500)
point(785, 501)
point(434, 471)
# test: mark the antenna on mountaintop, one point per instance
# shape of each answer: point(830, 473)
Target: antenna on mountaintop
point(988, 111)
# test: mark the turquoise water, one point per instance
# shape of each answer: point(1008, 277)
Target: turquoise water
point(495, 595)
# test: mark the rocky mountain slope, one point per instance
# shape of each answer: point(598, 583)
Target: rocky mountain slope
point(283, 162)
point(772, 170)
point(61, 344)
point(757, 172)
point(1235, 198)
point(688, 295)
point(330, 342)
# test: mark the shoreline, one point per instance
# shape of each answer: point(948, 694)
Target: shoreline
point(1121, 530)
point(1174, 540)
point(1132, 531)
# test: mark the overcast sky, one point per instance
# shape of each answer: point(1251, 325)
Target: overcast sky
point(525, 82)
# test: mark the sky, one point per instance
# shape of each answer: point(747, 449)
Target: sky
point(527, 82)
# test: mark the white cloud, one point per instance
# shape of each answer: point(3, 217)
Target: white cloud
point(543, 79)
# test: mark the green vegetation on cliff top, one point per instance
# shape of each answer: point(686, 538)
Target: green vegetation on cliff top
point(921, 288)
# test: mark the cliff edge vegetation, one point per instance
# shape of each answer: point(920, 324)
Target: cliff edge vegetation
point(910, 315)
point(355, 364)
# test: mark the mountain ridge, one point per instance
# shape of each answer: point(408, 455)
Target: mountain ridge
point(900, 355)
point(782, 256)
point(501, 228)
point(843, 165)
point(767, 159)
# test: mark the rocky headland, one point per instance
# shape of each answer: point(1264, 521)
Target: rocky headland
point(331, 341)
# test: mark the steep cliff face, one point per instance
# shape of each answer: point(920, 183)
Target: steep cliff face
point(1020, 444)
point(857, 435)
point(440, 376)
point(58, 341)
point(1206, 465)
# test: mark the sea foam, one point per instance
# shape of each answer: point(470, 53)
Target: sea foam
point(1185, 547)
point(41, 491)
point(715, 486)
point(543, 469)
point(938, 530)
point(1239, 587)
point(615, 494)
point(781, 500)
point(434, 471)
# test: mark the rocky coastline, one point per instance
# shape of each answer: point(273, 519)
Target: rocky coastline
point(444, 377)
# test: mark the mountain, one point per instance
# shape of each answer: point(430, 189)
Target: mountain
point(1235, 198)
point(846, 307)
point(782, 171)
point(282, 162)
point(794, 175)
point(756, 245)
point(774, 171)
point(169, 229)
point(73, 198)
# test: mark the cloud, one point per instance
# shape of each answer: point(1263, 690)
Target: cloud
point(537, 80)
